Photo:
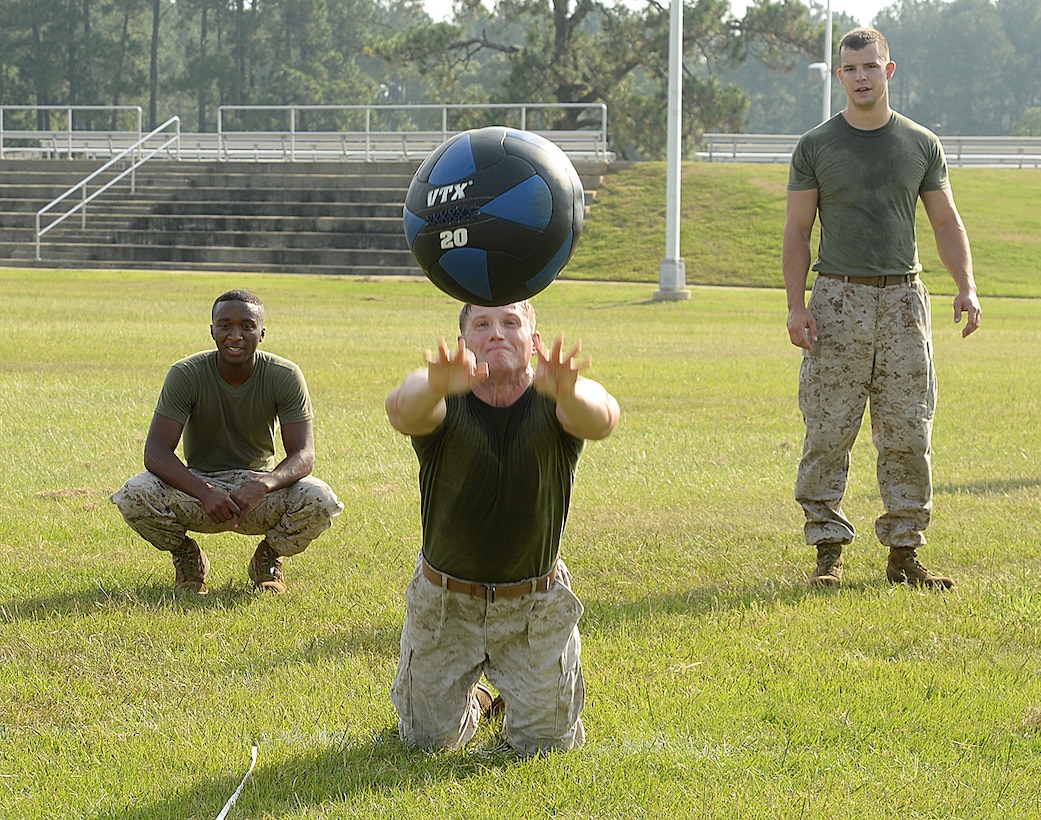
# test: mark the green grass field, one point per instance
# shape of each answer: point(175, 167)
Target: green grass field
point(718, 684)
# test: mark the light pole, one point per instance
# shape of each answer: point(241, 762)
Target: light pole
point(672, 273)
point(824, 69)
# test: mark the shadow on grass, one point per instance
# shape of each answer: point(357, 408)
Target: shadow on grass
point(92, 600)
point(326, 774)
point(988, 487)
point(603, 615)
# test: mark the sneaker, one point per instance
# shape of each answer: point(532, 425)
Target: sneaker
point(265, 570)
point(191, 566)
point(905, 568)
point(829, 566)
point(490, 705)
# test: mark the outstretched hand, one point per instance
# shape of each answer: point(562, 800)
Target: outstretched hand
point(556, 374)
point(450, 373)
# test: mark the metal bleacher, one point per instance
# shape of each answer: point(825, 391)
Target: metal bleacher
point(262, 193)
point(981, 152)
point(280, 133)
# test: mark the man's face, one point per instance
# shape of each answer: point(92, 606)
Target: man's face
point(865, 75)
point(237, 329)
point(502, 337)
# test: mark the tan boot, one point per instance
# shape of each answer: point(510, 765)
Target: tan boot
point(265, 570)
point(905, 568)
point(829, 566)
point(191, 567)
point(489, 704)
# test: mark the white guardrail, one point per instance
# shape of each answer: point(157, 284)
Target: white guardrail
point(134, 155)
point(310, 133)
point(990, 152)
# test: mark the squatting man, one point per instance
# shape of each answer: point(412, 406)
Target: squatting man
point(497, 444)
point(228, 403)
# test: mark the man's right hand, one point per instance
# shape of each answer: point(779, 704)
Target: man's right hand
point(452, 373)
point(219, 505)
point(802, 328)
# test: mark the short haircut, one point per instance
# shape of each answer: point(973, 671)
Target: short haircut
point(861, 38)
point(238, 296)
point(524, 306)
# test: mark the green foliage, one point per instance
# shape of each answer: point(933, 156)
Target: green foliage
point(718, 684)
point(1029, 125)
point(934, 41)
point(744, 73)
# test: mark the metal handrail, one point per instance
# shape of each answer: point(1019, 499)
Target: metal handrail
point(82, 184)
point(68, 132)
point(445, 109)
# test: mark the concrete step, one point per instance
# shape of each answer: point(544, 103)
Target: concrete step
point(220, 257)
point(252, 228)
point(261, 239)
point(368, 272)
point(331, 217)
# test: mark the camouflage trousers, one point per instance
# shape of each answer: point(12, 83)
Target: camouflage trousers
point(874, 348)
point(289, 518)
point(528, 647)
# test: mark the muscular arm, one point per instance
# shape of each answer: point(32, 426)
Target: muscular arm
point(161, 459)
point(584, 407)
point(952, 244)
point(414, 407)
point(298, 440)
point(417, 406)
point(590, 412)
point(801, 212)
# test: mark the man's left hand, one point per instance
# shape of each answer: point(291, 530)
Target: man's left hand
point(556, 374)
point(968, 304)
point(248, 498)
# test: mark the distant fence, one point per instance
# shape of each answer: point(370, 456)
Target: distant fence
point(61, 130)
point(990, 152)
point(303, 133)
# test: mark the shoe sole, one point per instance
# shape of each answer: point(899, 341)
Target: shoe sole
point(274, 587)
point(933, 583)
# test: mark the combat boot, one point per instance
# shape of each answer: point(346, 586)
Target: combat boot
point(191, 567)
point(829, 566)
point(265, 570)
point(905, 568)
point(490, 705)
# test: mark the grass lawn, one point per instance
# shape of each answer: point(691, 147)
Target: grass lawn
point(718, 684)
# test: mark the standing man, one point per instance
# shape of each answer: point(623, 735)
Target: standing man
point(497, 444)
point(867, 333)
point(228, 403)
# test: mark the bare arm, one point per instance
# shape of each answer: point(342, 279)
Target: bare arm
point(298, 440)
point(417, 406)
point(161, 459)
point(952, 243)
point(584, 408)
point(801, 212)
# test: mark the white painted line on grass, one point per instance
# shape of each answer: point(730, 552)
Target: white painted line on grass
point(238, 791)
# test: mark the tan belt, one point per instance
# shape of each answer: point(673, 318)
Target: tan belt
point(489, 592)
point(874, 281)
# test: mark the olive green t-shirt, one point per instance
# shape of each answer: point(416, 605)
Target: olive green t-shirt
point(227, 427)
point(868, 185)
point(495, 485)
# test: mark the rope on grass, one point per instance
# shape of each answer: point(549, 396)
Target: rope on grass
point(238, 791)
